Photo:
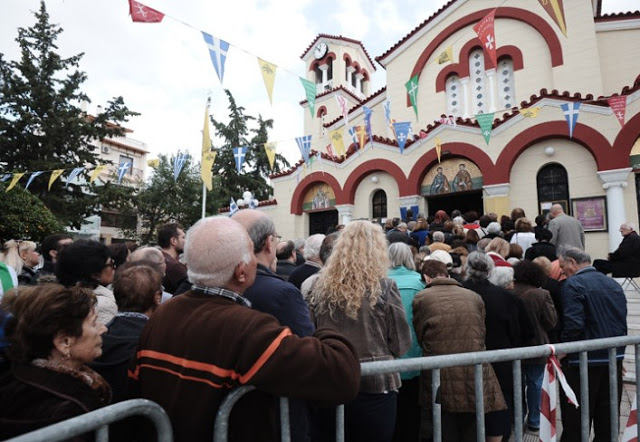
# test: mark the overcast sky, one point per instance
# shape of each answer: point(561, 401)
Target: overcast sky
point(164, 71)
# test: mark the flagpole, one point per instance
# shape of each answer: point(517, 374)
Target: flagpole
point(204, 200)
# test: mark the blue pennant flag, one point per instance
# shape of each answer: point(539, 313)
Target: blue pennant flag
point(352, 132)
point(402, 130)
point(571, 111)
point(233, 207)
point(31, 178)
point(367, 123)
point(73, 175)
point(304, 144)
point(178, 164)
point(387, 111)
point(218, 52)
point(123, 168)
point(5, 177)
point(239, 153)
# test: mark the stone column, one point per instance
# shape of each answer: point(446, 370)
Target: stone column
point(345, 213)
point(350, 71)
point(491, 79)
point(466, 98)
point(614, 182)
point(359, 78)
point(325, 69)
point(496, 199)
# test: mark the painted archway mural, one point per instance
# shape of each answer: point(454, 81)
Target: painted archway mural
point(451, 176)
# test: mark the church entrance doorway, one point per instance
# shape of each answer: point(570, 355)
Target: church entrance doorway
point(463, 201)
point(322, 221)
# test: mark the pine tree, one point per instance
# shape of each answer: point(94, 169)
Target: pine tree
point(42, 127)
point(227, 181)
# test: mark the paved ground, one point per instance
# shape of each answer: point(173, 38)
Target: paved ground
point(628, 391)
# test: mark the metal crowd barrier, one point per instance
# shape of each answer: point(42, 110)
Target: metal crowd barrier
point(99, 421)
point(435, 363)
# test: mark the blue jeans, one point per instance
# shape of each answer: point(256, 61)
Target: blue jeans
point(533, 375)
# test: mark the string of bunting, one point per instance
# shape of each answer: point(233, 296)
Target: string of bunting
point(360, 134)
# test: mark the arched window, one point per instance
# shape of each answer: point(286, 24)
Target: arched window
point(553, 185)
point(506, 84)
point(478, 82)
point(455, 96)
point(379, 204)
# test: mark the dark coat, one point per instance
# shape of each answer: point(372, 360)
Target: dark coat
point(301, 273)
point(270, 294)
point(285, 268)
point(541, 311)
point(541, 249)
point(626, 259)
point(118, 347)
point(34, 397)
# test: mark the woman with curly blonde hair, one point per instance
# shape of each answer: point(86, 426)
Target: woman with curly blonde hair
point(354, 296)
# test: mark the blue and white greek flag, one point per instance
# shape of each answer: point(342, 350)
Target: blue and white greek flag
point(239, 153)
point(218, 52)
point(123, 169)
point(571, 111)
point(73, 175)
point(304, 144)
point(402, 130)
point(178, 164)
point(233, 207)
point(32, 177)
point(352, 132)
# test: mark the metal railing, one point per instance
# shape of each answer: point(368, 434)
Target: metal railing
point(99, 421)
point(435, 363)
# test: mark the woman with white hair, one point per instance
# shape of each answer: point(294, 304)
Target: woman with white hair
point(409, 282)
point(503, 323)
point(23, 257)
point(354, 296)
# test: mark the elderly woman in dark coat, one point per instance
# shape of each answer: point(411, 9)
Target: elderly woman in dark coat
point(505, 321)
point(53, 333)
point(529, 278)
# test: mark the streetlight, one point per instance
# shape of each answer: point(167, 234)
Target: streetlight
point(247, 200)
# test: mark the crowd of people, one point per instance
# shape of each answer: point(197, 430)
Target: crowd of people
point(229, 302)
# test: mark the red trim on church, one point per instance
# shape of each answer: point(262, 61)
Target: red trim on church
point(366, 168)
point(305, 184)
point(535, 21)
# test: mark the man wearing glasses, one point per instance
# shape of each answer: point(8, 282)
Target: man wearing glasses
point(271, 294)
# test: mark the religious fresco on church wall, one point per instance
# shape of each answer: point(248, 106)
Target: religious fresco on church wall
point(451, 175)
point(320, 196)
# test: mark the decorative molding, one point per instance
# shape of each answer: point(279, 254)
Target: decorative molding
point(497, 189)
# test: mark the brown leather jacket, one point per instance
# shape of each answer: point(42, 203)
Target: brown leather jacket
point(449, 319)
point(380, 333)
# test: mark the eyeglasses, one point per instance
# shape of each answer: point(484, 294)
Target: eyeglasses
point(110, 263)
point(276, 236)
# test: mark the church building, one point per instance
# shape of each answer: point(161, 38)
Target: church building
point(544, 109)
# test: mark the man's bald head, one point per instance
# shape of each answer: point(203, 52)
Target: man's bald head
point(150, 255)
point(556, 210)
point(214, 249)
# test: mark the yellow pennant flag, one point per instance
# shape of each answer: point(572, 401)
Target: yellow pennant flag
point(154, 164)
point(269, 75)
point(446, 56)
point(530, 112)
point(337, 141)
point(361, 133)
point(208, 156)
point(54, 176)
point(14, 180)
point(97, 171)
point(438, 148)
point(270, 150)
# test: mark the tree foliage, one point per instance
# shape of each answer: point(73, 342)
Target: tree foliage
point(237, 133)
point(42, 126)
point(160, 200)
point(24, 216)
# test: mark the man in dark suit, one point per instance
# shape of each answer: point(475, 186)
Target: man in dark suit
point(625, 261)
